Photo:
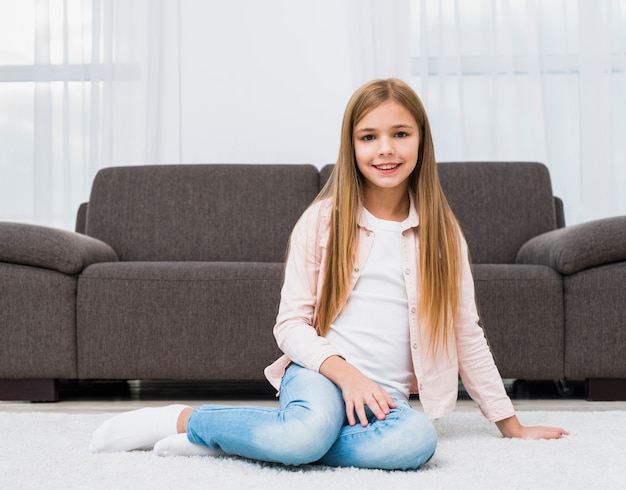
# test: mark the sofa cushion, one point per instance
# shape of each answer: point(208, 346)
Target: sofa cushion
point(177, 320)
point(199, 212)
point(500, 206)
point(521, 310)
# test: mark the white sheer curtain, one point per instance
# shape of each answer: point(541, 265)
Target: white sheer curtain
point(530, 80)
point(91, 83)
point(80, 89)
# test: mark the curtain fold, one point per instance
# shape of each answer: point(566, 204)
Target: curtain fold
point(93, 78)
point(42, 135)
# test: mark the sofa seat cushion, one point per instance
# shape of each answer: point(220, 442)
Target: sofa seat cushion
point(170, 320)
point(521, 309)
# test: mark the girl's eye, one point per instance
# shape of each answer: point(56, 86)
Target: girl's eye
point(368, 137)
point(401, 134)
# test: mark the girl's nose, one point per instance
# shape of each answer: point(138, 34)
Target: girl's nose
point(385, 147)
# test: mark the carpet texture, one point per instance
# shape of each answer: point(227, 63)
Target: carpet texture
point(49, 451)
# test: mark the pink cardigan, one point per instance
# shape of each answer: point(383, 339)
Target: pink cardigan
point(468, 354)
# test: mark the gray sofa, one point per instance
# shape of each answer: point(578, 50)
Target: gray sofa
point(175, 271)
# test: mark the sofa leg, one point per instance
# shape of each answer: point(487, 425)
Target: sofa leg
point(564, 388)
point(33, 390)
point(605, 389)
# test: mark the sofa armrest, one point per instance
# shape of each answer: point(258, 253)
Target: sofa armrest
point(50, 248)
point(574, 248)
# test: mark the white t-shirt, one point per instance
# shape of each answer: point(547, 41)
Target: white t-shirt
point(372, 331)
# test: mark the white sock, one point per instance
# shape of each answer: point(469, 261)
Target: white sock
point(136, 429)
point(180, 445)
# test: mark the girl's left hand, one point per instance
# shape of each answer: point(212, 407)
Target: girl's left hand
point(512, 428)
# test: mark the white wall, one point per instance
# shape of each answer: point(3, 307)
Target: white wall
point(262, 82)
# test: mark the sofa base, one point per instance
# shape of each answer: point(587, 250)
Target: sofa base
point(47, 390)
point(605, 389)
point(33, 390)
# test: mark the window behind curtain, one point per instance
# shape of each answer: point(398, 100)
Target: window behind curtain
point(71, 74)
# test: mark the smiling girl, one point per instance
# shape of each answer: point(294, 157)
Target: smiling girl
point(377, 303)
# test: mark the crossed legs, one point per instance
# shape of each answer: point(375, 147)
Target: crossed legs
point(308, 426)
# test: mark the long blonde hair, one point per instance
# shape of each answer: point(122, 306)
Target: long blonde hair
point(439, 233)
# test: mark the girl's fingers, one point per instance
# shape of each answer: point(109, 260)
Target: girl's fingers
point(380, 407)
point(362, 416)
point(350, 413)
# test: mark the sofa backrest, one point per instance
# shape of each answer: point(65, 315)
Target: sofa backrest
point(195, 212)
point(500, 205)
point(199, 212)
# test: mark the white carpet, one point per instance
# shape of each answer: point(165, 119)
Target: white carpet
point(49, 451)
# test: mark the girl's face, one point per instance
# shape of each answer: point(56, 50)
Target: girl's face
point(386, 143)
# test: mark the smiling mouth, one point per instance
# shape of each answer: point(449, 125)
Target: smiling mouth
point(387, 166)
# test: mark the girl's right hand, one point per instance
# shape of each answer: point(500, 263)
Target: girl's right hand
point(358, 391)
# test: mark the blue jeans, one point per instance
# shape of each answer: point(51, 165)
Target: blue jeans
point(310, 427)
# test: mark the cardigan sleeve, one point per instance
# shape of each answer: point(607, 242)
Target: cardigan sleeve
point(477, 367)
point(294, 330)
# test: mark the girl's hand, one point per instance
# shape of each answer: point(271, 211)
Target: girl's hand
point(512, 428)
point(358, 391)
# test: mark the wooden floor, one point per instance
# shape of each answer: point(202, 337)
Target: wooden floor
point(101, 396)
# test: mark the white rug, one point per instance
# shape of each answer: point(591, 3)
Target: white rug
point(49, 451)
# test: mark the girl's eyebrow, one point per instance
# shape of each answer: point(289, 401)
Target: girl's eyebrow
point(395, 126)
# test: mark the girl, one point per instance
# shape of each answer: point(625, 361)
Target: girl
point(377, 303)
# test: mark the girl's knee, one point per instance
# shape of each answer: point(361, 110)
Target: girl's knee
point(414, 439)
point(420, 441)
point(306, 439)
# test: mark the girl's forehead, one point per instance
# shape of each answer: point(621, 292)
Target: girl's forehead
point(388, 111)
